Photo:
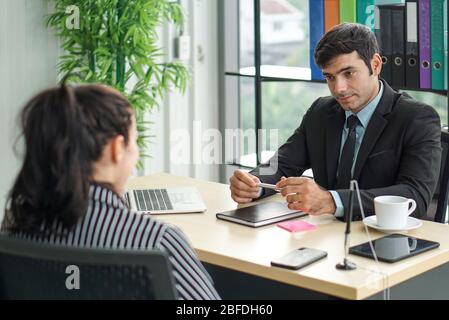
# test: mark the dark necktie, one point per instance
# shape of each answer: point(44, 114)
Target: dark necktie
point(347, 155)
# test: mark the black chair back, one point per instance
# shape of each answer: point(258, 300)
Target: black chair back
point(30, 270)
point(441, 194)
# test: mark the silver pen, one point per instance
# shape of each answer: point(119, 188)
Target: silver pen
point(268, 186)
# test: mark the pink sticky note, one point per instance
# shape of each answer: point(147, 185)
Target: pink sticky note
point(295, 226)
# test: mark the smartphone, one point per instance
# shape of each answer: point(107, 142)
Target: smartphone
point(299, 258)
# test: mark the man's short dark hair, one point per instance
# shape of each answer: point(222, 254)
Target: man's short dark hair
point(346, 38)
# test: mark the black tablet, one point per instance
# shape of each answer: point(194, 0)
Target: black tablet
point(394, 247)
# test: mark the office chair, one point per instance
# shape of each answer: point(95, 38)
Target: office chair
point(438, 206)
point(31, 270)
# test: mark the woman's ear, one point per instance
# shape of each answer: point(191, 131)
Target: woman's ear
point(117, 148)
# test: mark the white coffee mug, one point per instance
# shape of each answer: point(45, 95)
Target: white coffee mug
point(392, 211)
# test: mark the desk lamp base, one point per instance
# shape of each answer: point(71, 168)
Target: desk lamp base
point(346, 265)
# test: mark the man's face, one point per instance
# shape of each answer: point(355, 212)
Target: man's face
point(350, 82)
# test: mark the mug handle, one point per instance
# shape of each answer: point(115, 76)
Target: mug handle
point(412, 246)
point(413, 202)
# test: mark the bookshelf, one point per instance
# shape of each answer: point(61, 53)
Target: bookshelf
point(261, 74)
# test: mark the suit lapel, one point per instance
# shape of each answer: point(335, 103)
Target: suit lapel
point(334, 128)
point(375, 128)
point(373, 131)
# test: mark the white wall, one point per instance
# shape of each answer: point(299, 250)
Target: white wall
point(198, 106)
point(28, 55)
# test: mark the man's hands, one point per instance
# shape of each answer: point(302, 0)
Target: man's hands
point(302, 193)
point(244, 187)
point(305, 195)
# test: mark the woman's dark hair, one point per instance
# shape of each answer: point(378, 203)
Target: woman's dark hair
point(65, 130)
point(346, 38)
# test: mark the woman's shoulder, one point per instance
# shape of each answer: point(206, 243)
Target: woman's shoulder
point(152, 232)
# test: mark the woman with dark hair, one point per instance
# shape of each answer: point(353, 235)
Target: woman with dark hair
point(80, 150)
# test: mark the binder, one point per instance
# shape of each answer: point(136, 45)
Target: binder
point(425, 74)
point(348, 11)
point(382, 17)
point(412, 54)
point(437, 41)
point(398, 45)
point(331, 14)
point(365, 13)
point(316, 10)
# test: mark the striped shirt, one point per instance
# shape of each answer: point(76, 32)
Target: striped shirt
point(108, 223)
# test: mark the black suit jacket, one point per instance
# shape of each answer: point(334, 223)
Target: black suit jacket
point(400, 153)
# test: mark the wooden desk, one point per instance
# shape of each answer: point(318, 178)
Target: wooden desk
point(249, 250)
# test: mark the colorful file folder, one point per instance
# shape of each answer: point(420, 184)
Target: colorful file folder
point(316, 10)
point(437, 43)
point(425, 71)
point(365, 13)
point(331, 14)
point(348, 11)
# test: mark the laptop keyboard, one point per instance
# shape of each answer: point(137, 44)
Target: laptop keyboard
point(152, 200)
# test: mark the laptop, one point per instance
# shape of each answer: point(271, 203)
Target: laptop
point(165, 201)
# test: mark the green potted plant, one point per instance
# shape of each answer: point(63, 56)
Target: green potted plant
point(114, 42)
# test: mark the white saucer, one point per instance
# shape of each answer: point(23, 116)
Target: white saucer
point(412, 223)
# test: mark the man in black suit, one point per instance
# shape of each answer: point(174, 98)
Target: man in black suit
point(365, 131)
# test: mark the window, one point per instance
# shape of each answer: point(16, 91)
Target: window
point(277, 25)
point(437, 101)
point(268, 81)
